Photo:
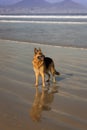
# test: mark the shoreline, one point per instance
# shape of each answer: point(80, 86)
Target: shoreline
point(35, 43)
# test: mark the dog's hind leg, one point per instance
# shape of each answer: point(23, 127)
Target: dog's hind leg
point(48, 77)
point(53, 73)
point(53, 77)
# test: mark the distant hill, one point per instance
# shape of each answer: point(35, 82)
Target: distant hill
point(44, 7)
point(69, 4)
point(32, 3)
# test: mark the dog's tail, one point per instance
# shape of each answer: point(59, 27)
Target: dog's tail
point(57, 73)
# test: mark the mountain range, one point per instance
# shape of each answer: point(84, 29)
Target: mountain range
point(32, 3)
point(44, 7)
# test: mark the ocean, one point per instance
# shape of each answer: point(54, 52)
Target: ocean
point(56, 30)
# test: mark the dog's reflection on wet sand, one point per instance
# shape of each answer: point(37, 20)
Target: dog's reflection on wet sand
point(42, 101)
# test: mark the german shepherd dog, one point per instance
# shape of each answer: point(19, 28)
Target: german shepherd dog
point(43, 65)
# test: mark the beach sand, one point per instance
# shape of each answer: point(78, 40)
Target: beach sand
point(65, 103)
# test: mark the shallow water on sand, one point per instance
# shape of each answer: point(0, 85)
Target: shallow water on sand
point(67, 106)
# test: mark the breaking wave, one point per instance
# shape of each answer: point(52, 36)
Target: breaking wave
point(48, 19)
point(42, 22)
point(45, 16)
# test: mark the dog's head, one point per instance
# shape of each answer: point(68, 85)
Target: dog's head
point(38, 54)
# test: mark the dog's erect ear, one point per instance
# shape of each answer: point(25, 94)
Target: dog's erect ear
point(39, 49)
point(35, 50)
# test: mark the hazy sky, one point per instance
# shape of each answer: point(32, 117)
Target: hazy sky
point(5, 2)
point(79, 1)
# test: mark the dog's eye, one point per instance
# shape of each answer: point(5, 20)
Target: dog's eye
point(40, 57)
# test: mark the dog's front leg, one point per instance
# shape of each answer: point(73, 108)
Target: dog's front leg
point(43, 79)
point(37, 78)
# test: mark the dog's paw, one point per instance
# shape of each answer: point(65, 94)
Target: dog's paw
point(47, 80)
point(36, 85)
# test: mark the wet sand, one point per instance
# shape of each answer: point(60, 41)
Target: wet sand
point(23, 107)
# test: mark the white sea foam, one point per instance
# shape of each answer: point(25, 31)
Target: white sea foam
point(46, 16)
point(41, 22)
point(48, 19)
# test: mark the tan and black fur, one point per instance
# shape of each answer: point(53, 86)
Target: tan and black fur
point(43, 65)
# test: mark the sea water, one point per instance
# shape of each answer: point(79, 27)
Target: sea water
point(56, 30)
